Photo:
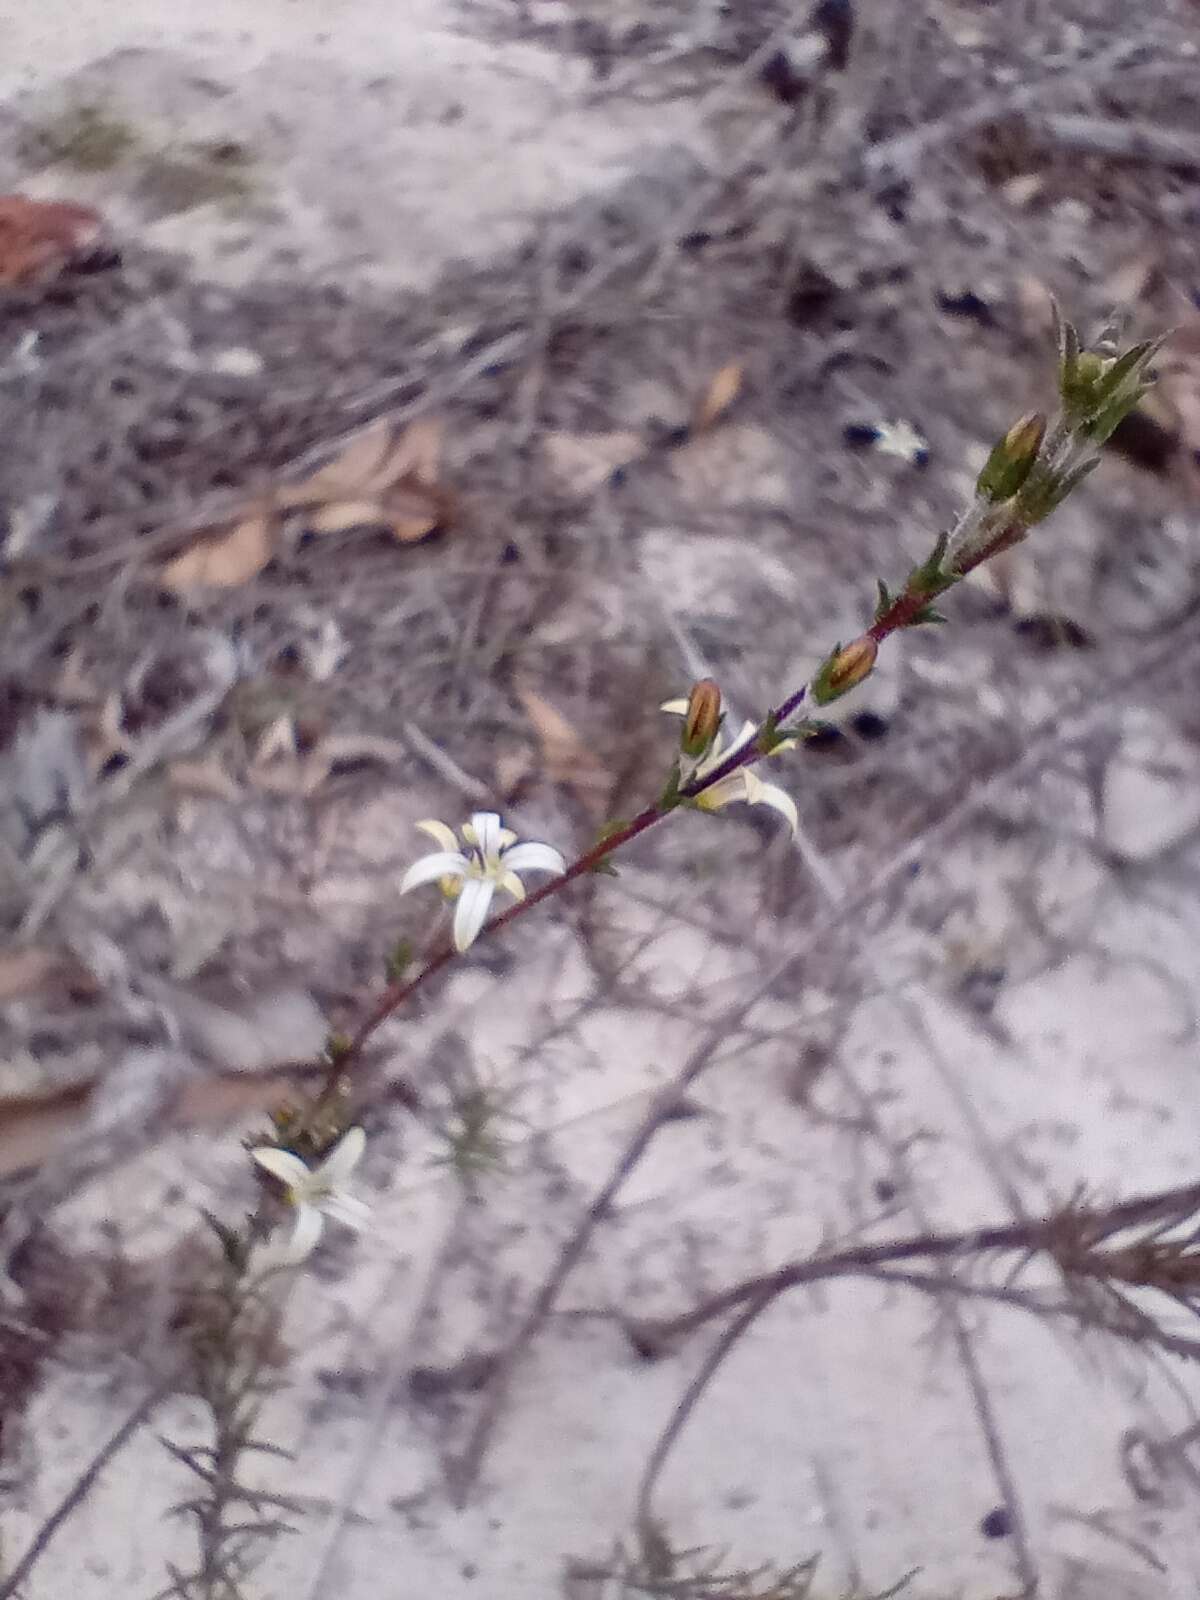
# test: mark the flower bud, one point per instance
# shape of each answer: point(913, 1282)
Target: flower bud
point(703, 718)
point(844, 670)
point(1012, 460)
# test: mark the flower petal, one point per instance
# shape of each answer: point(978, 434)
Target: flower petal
point(534, 858)
point(438, 831)
point(511, 884)
point(441, 864)
point(349, 1210)
point(470, 913)
point(284, 1165)
point(724, 793)
point(487, 830)
point(677, 708)
point(749, 729)
point(309, 1223)
point(343, 1158)
point(759, 793)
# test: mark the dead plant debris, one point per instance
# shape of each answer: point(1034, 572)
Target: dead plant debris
point(39, 239)
point(382, 479)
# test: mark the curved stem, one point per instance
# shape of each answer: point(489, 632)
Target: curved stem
point(1167, 1206)
point(899, 615)
point(701, 1379)
point(81, 1488)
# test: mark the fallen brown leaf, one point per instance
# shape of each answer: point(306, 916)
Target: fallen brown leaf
point(203, 776)
point(381, 479)
point(513, 767)
point(407, 512)
point(567, 759)
point(339, 516)
point(223, 560)
point(417, 453)
point(584, 462)
point(355, 472)
point(34, 1128)
point(344, 750)
point(39, 238)
point(716, 400)
point(408, 519)
point(34, 969)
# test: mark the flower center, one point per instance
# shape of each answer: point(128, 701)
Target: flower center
point(478, 866)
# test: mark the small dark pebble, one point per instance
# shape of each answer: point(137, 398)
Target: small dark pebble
point(968, 304)
point(835, 19)
point(1145, 442)
point(781, 78)
point(860, 435)
point(997, 1524)
point(869, 725)
point(812, 294)
point(1047, 631)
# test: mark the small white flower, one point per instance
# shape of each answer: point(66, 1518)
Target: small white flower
point(492, 860)
point(744, 784)
point(316, 1192)
point(901, 439)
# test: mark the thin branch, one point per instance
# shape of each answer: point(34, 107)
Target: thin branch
point(905, 150)
point(1127, 141)
point(381, 1411)
point(1052, 731)
point(1027, 1234)
point(691, 1395)
point(1046, 737)
point(81, 1488)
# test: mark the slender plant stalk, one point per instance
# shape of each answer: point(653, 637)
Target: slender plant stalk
point(442, 955)
point(11, 1584)
point(1048, 1234)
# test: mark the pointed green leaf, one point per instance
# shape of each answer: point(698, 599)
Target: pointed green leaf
point(399, 960)
point(1126, 366)
point(670, 797)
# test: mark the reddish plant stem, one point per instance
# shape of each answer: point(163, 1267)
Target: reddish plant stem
point(900, 614)
point(443, 954)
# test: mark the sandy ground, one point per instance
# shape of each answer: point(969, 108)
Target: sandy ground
point(386, 145)
point(380, 143)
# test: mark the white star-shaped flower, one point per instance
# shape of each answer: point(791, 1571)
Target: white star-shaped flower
point(491, 861)
point(901, 439)
point(316, 1192)
point(742, 785)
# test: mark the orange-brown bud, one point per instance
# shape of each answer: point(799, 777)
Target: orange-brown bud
point(703, 718)
point(844, 670)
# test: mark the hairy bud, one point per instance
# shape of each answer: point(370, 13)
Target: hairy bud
point(1012, 460)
